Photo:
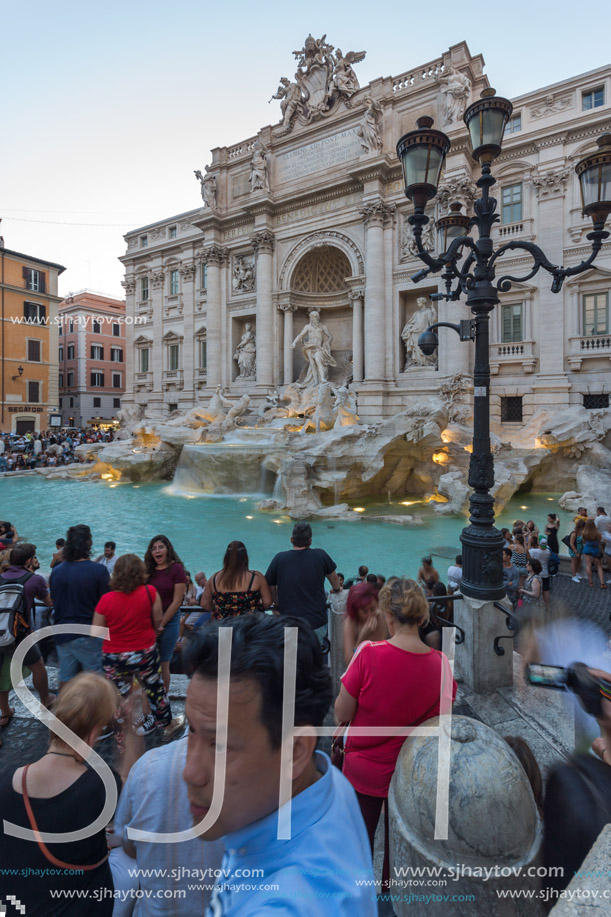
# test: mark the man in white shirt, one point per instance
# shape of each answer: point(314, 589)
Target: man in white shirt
point(601, 520)
point(455, 574)
point(200, 579)
point(108, 559)
point(155, 798)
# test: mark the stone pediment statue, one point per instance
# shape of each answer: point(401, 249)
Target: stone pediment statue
point(258, 178)
point(423, 318)
point(316, 348)
point(369, 129)
point(457, 88)
point(323, 78)
point(208, 187)
point(243, 279)
point(246, 353)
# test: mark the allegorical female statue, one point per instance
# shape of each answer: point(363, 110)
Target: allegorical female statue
point(246, 353)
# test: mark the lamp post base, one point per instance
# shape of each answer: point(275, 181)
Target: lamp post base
point(477, 663)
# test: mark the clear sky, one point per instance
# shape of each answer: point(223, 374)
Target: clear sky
point(108, 107)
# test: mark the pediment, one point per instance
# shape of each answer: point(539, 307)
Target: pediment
point(592, 274)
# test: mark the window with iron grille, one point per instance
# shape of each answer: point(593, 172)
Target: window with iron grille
point(116, 402)
point(511, 409)
point(594, 402)
point(172, 407)
point(97, 402)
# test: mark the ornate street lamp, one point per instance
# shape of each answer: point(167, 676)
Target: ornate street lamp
point(472, 263)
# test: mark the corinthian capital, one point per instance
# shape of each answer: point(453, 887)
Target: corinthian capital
point(263, 241)
point(377, 213)
point(129, 285)
point(356, 295)
point(215, 254)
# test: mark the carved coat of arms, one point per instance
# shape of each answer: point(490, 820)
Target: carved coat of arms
point(324, 77)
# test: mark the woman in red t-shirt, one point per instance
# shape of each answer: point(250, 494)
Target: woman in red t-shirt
point(393, 683)
point(132, 613)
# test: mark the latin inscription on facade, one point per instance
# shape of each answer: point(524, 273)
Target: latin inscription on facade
point(318, 156)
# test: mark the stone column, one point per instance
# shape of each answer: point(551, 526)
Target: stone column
point(129, 285)
point(188, 301)
point(157, 355)
point(263, 244)
point(214, 256)
point(288, 309)
point(357, 334)
point(375, 215)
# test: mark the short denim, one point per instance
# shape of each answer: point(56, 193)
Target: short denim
point(82, 653)
point(168, 638)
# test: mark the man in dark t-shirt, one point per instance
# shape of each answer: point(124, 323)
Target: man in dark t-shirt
point(299, 576)
point(77, 585)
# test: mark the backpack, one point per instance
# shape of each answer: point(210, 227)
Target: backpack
point(14, 616)
point(553, 564)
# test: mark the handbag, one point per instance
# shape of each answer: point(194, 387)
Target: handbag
point(43, 847)
point(338, 749)
point(566, 540)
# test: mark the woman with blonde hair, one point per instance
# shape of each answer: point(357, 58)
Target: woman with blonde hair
point(399, 682)
point(60, 793)
point(132, 613)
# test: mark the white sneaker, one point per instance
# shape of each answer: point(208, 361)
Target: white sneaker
point(609, 582)
point(576, 579)
point(176, 726)
point(148, 725)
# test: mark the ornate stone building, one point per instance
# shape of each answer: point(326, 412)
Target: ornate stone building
point(310, 215)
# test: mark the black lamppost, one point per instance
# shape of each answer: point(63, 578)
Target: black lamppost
point(422, 153)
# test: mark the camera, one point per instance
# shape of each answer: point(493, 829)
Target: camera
point(577, 678)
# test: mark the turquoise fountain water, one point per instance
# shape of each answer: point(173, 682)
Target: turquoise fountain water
point(200, 527)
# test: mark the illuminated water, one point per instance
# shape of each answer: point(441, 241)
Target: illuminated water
point(201, 527)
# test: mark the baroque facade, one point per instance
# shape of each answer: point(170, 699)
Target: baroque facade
point(310, 215)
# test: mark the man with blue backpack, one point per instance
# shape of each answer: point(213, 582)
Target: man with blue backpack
point(19, 587)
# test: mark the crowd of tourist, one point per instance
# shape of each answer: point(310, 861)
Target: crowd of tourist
point(157, 616)
point(47, 449)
